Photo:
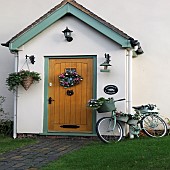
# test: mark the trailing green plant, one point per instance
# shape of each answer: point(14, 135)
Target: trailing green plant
point(6, 125)
point(119, 114)
point(135, 116)
point(15, 79)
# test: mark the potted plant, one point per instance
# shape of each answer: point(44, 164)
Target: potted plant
point(133, 119)
point(23, 77)
point(122, 116)
point(95, 103)
point(102, 105)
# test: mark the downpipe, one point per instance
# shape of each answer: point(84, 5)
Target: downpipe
point(15, 98)
point(129, 85)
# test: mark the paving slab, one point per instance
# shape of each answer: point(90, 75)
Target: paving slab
point(39, 154)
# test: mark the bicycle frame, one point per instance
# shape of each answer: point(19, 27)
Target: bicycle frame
point(135, 129)
point(146, 118)
point(146, 111)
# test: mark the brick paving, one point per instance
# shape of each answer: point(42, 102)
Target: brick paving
point(34, 156)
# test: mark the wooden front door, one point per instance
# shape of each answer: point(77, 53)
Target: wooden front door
point(69, 113)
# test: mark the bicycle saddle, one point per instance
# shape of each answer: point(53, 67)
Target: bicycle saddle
point(148, 106)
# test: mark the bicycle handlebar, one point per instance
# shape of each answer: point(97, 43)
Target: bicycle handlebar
point(119, 100)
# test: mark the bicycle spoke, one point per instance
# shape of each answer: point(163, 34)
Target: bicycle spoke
point(153, 126)
point(108, 130)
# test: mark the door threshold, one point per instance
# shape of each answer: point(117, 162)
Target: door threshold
point(68, 134)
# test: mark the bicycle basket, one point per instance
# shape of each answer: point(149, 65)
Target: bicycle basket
point(149, 109)
point(107, 106)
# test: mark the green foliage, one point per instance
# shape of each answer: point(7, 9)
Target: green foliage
point(6, 125)
point(168, 121)
point(120, 113)
point(96, 103)
point(135, 116)
point(2, 99)
point(26, 73)
point(15, 79)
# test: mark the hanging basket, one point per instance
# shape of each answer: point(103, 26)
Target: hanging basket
point(26, 83)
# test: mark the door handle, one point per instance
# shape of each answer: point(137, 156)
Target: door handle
point(50, 100)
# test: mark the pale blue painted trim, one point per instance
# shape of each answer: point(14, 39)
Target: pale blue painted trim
point(99, 26)
point(45, 118)
point(68, 8)
point(38, 28)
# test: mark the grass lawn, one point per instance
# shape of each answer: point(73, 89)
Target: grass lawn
point(8, 143)
point(138, 154)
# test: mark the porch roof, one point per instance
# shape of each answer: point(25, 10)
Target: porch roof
point(60, 10)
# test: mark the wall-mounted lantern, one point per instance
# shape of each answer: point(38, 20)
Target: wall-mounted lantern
point(106, 63)
point(67, 34)
point(32, 58)
point(136, 46)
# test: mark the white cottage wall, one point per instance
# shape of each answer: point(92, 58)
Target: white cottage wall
point(146, 21)
point(15, 16)
point(51, 42)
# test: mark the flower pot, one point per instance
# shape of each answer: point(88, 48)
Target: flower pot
point(26, 83)
point(132, 122)
point(107, 106)
point(122, 118)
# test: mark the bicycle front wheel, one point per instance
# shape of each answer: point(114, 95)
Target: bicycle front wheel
point(153, 126)
point(108, 130)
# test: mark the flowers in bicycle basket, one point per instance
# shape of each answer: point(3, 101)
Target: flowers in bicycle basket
point(69, 79)
point(96, 103)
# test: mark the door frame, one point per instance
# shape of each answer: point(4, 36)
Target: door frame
point(94, 94)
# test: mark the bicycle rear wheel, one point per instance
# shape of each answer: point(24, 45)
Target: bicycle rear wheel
point(153, 126)
point(109, 131)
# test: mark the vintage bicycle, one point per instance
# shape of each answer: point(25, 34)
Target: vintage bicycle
point(109, 129)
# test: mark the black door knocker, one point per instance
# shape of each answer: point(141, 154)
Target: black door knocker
point(70, 92)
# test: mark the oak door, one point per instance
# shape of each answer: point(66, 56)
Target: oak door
point(69, 113)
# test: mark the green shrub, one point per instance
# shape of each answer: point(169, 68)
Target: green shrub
point(2, 99)
point(6, 125)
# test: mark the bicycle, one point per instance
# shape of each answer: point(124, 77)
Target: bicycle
point(109, 129)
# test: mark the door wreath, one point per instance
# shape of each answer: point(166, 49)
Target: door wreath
point(69, 79)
